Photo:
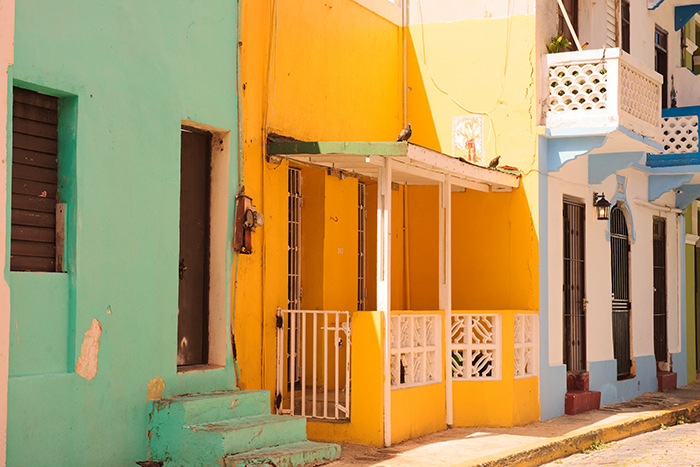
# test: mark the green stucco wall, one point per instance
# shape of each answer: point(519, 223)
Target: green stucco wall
point(129, 72)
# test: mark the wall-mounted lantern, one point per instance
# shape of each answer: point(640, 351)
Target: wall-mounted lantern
point(601, 205)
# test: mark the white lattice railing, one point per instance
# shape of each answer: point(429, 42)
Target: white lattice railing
point(416, 348)
point(596, 88)
point(475, 346)
point(313, 363)
point(525, 345)
point(680, 134)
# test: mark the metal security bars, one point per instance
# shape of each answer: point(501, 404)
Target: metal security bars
point(361, 246)
point(620, 251)
point(574, 287)
point(660, 310)
point(294, 240)
point(313, 380)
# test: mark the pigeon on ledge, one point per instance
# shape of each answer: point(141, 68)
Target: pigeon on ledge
point(149, 464)
point(494, 162)
point(405, 134)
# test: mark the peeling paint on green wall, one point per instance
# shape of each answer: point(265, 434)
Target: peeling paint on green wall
point(127, 73)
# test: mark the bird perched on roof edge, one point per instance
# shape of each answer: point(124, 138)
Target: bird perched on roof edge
point(405, 134)
point(494, 162)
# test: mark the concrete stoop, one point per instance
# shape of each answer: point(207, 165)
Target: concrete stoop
point(666, 380)
point(579, 398)
point(233, 428)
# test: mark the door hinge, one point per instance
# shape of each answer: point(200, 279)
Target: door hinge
point(301, 292)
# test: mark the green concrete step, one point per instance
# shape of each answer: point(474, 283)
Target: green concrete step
point(305, 453)
point(243, 434)
point(195, 409)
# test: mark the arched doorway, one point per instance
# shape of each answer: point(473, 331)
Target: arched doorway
point(620, 262)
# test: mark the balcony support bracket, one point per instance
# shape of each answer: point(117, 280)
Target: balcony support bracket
point(661, 184)
point(601, 166)
point(562, 150)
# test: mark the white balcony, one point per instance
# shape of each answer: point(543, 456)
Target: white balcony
point(603, 90)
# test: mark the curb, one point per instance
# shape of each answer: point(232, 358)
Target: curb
point(561, 446)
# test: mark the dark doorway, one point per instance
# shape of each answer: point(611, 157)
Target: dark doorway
point(620, 259)
point(193, 306)
point(661, 61)
point(625, 20)
point(660, 311)
point(574, 287)
point(571, 7)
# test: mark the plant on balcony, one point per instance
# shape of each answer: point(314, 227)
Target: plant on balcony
point(558, 44)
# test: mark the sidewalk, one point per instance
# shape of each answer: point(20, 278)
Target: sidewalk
point(533, 444)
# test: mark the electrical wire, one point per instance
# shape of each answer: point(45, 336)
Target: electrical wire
point(486, 113)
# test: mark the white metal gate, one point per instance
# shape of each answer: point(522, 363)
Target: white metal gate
point(313, 373)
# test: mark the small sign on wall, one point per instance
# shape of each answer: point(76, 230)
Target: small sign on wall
point(468, 138)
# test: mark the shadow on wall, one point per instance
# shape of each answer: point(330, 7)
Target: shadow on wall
point(494, 252)
point(421, 115)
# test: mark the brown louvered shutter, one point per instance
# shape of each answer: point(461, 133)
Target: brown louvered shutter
point(34, 181)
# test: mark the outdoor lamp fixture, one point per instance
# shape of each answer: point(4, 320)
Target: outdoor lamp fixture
point(601, 205)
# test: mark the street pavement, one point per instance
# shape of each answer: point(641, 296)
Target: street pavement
point(539, 442)
point(675, 446)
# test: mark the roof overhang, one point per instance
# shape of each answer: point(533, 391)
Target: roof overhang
point(410, 164)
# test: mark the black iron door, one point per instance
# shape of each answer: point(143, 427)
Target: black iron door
point(660, 311)
point(193, 309)
point(574, 287)
point(620, 259)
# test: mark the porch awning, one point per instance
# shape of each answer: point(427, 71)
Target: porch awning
point(411, 164)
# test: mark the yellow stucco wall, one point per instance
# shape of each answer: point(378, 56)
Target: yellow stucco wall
point(332, 71)
point(420, 410)
point(505, 402)
point(366, 397)
point(495, 77)
point(334, 75)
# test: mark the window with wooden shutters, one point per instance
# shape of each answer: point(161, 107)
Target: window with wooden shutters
point(37, 216)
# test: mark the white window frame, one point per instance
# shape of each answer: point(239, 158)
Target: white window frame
point(422, 348)
point(462, 339)
point(522, 343)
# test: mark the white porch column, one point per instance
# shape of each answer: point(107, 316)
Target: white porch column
point(7, 36)
point(384, 281)
point(445, 277)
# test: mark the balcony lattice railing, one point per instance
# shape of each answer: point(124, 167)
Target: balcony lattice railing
point(597, 88)
point(680, 134)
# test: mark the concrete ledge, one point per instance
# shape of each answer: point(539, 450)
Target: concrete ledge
point(577, 441)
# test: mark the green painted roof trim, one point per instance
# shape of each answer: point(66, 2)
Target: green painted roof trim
point(286, 148)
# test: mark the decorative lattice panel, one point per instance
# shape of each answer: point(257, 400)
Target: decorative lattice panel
point(476, 346)
point(577, 87)
point(525, 342)
point(680, 134)
point(415, 350)
point(639, 95)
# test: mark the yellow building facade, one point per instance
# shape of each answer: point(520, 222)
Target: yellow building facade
point(393, 288)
